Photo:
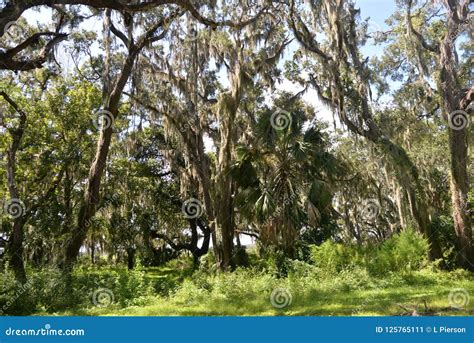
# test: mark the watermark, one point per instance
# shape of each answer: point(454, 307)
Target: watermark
point(281, 298)
point(190, 31)
point(3, 117)
point(103, 297)
point(14, 207)
point(24, 288)
point(13, 30)
point(458, 298)
point(458, 120)
point(371, 209)
point(281, 119)
point(280, 209)
point(102, 209)
point(103, 119)
point(373, 30)
point(46, 331)
point(192, 208)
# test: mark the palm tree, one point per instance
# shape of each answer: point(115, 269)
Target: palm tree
point(284, 175)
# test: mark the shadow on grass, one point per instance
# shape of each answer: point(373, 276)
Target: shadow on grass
point(415, 292)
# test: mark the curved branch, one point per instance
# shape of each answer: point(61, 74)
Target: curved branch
point(8, 61)
point(430, 47)
point(15, 8)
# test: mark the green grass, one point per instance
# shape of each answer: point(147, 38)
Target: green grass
point(248, 294)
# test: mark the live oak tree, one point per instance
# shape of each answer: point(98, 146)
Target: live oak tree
point(454, 92)
point(342, 79)
point(41, 155)
point(218, 117)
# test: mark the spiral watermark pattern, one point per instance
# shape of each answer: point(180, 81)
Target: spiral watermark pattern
point(103, 297)
point(371, 209)
point(185, 127)
point(15, 208)
point(13, 30)
point(103, 119)
point(280, 119)
point(192, 34)
point(280, 298)
point(458, 120)
point(192, 208)
point(458, 298)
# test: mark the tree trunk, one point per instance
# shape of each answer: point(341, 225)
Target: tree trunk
point(93, 253)
point(16, 251)
point(223, 244)
point(455, 113)
point(16, 239)
point(459, 185)
point(130, 258)
point(92, 193)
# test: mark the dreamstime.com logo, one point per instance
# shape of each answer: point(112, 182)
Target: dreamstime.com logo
point(103, 297)
point(371, 209)
point(14, 207)
point(103, 119)
point(46, 331)
point(458, 120)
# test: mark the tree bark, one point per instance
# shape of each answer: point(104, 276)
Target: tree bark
point(345, 55)
point(92, 193)
point(130, 258)
point(15, 250)
point(456, 108)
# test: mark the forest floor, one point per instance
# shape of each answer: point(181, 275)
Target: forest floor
point(425, 293)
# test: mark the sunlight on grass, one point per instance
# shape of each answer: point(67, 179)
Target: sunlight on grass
point(406, 295)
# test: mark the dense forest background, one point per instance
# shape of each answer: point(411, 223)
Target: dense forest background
point(186, 157)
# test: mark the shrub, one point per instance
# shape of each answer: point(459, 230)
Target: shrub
point(404, 252)
point(333, 257)
point(125, 285)
point(15, 298)
point(54, 291)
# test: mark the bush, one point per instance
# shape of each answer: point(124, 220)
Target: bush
point(274, 261)
point(333, 257)
point(15, 298)
point(404, 252)
point(123, 286)
point(54, 291)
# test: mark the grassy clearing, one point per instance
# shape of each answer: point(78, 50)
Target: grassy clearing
point(334, 280)
point(246, 293)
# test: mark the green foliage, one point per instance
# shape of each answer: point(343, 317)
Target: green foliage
point(404, 252)
point(15, 298)
point(273, 261)
point(51, 290)
point(333, 257)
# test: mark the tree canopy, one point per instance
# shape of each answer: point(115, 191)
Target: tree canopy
point(148, 129)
